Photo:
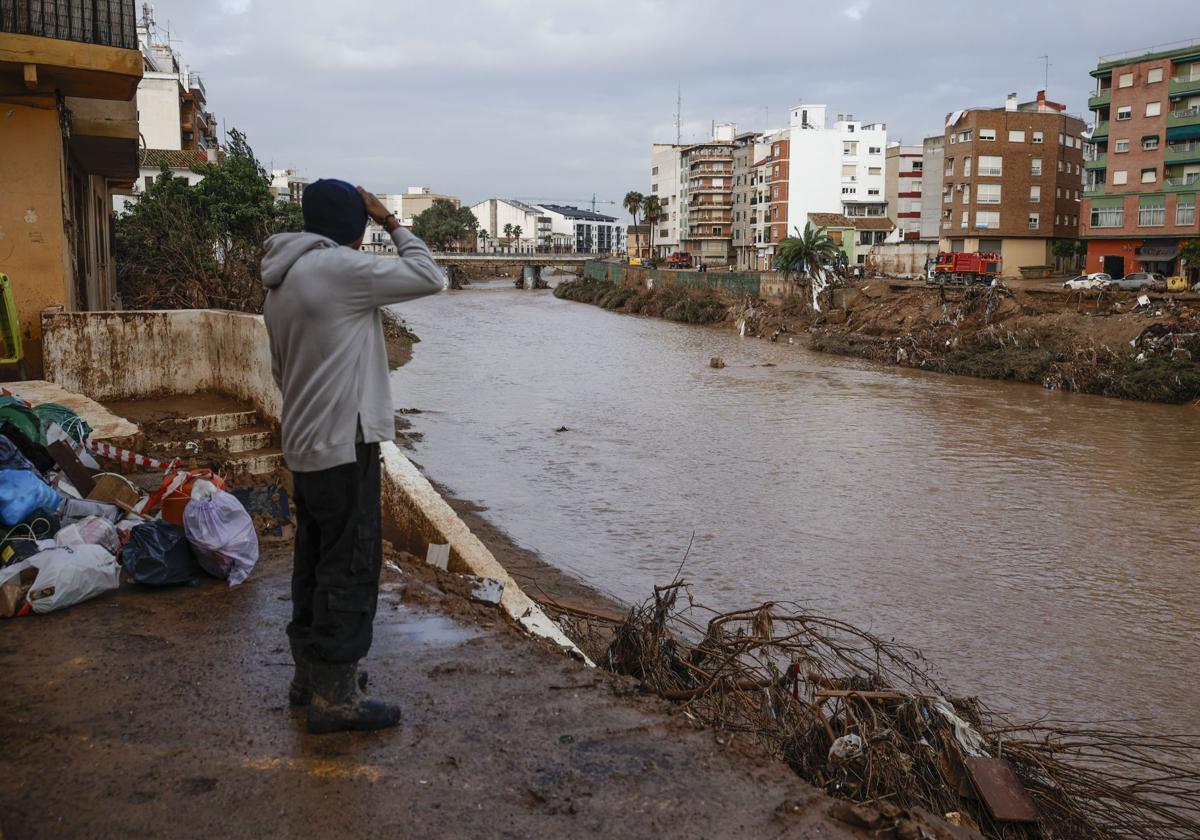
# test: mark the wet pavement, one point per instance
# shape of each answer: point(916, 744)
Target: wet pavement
point(162, 713)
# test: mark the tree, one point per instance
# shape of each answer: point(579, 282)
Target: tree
point(805, 254)
point(483, 238)
point(516, 232)
point(1065, 249)
point(443, 224)
point(652, 212)
point(508, 236)
point(633, 204)
point(182, 246)
point(1189, 252)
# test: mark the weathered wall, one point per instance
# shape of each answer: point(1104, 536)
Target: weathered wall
point(34, 249)
point(115, 355)
point(901, 259)
point(737, 283)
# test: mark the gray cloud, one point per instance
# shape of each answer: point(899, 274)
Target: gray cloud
point(562, 99)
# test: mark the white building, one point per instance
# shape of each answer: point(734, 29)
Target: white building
point(584, 231)
point(288, 185)
point(496, 215)
point(665, 164)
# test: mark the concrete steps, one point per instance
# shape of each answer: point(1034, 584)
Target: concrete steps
point(237, 443)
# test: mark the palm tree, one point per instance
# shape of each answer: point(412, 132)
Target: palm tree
point(652, 212)
point(516, 232)
point(508, 235)
point(805, 254)
point(633, 204)
point(483, 238)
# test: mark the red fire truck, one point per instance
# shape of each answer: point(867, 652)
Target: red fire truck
point(965, 268)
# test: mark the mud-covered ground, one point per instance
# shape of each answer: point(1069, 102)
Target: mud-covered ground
point(163, 713)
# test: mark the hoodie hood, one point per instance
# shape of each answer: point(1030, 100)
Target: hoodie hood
point(282, 251)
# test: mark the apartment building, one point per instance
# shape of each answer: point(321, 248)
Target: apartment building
point(706, 198)
point(496, 215)
point(1012, 181)
point(585, 231)
point(1143, 166)
point(68, 143)
point(904, 171)
point(933, 166)
point(665, 163)
point(746, 154)
point(405, 206)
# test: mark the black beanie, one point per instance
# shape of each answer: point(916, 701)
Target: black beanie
point(335, 209)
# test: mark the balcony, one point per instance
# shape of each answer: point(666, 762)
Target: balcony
point(1186, 152)
point(1093, 190)
point(1100, 132)
point(1181, 183)
point(1099, 162)
point(1181, 119)
point(1183, 85)
point(84, 49)
point(1100, 99)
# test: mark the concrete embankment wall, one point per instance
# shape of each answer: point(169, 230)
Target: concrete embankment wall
point(735, 284)
point(126, 355)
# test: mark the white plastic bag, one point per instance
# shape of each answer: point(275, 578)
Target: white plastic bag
point(90, 531)
point(222, 534)
point(70, 574)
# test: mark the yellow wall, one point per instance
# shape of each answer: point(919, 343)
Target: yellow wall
point(34, 251)
point(1015, 253)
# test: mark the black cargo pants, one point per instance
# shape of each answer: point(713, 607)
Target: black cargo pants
point(338, 555)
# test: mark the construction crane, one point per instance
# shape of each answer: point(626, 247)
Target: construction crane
point(593, 200)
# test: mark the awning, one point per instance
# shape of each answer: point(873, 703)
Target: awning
point(1158, 252)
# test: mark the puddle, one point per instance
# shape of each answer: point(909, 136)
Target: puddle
point(409, 626)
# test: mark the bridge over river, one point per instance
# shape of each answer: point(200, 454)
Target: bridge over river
point(530, 264)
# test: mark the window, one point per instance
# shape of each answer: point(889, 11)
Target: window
point(988, 219)
point(1035, 193)
point(1149, 144)
point(966, 167)
point(966, 193)
point(775, 192)
point(850, 148)
point(1034, 220)
point(872, 192)
point(1035, 166)
point(1108, 217)
point(654, 171)
point(966, 213)
point(1151, 216)
point(1037, 137)
point(949, 166)
point(872, 150)
point(849, 172)
point(1125, 80)
point(1120, 177)
point(849, 190)
point(1062, 141)
point(1125, 112)
point(947, 194)
point(654, 188)
point(991, 165)
point(1155, 75)
point(1120, 146)
point(875, 170)
point(953, 138)
point(965, 136)
point(1016, 136)
point(1150, 175)
point(1185, 211)
point(987, 134)
point(1153, 109)
point(988, 194)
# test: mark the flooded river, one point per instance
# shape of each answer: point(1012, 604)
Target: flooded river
point(1042, 548)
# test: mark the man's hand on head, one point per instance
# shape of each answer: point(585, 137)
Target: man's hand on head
point(378, 213)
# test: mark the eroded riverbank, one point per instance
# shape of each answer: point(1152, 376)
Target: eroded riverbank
point(1097, 343)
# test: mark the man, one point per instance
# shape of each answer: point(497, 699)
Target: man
point(327, 354)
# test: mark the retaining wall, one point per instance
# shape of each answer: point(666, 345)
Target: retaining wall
point(124, 355)
point(735, 283)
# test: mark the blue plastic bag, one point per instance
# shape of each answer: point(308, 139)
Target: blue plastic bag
point(22, 493)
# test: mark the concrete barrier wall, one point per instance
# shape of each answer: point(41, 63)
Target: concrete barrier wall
point(901, 259)
point(734, 283)
point(123, 355)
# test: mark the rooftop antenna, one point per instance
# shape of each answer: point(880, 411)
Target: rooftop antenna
point(1046, 82)
point(678, 115)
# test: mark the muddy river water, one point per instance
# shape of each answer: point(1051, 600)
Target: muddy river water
point(1043, 549)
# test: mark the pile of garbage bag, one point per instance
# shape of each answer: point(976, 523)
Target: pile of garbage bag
point(68, 529)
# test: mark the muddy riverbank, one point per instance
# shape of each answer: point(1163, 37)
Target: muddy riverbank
point(1093, 343)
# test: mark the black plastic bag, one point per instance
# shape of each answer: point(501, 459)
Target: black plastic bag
point(158, 554)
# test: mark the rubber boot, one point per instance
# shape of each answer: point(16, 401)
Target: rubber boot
point(300, 691)
point(338, 702)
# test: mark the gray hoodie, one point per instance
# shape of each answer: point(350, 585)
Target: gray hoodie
point(326, 332)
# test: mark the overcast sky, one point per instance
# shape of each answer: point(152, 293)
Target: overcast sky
point(557, 99)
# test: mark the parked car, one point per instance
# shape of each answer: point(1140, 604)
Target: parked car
point(1139, 281)
point(1096, 280)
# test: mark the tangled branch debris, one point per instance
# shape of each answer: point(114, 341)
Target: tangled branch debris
point(864, 719)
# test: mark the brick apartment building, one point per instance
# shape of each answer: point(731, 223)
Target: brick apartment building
point(707, 199)
point(1012, 182)
point(903, 173)
point(1143, 167)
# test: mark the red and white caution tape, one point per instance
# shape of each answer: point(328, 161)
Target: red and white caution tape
point(115, 453)
point(107, 450)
